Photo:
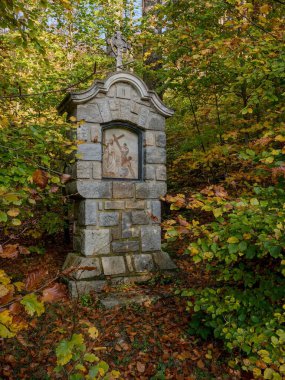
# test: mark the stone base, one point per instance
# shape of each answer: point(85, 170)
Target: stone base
point(95, 273)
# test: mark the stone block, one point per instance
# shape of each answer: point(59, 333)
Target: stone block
point(113, 265)
point(163, 261)
point(108, 219)
point(156, 122)
point(95, 242)
point(90, 152)
point(114, 205)
point(149, 172)
point(150, 189)
point(82, 133)
point(97, 170)
point(143, 117)
point(125, 109)
point(89, 112)
point(149, 138)
point(161, 172)
point(123, 91)
point(135, 107)
point(140, 217)
point(161, 140)
point(74, 260)
point(128, 231)
point(154, 210)
point(151, 238)
point(104, 110)
point(114, 105)
point(137, 204)
point(79, 288)
point(88, 189)
point(82, 169)
point(123, 190)
point(143, 263)
point(155, 155)
point(125, 246)
point(87, 212)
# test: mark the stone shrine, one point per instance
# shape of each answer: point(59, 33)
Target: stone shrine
point(118, 178)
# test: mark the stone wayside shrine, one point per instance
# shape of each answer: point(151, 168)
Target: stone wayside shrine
point(119, 177)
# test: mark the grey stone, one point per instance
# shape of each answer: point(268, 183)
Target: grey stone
point(89, 112)
point(149, 138)
point(108, 219)
point(105, 110)
point(121, 300)
point(129, 263)
point(95, 242)
point(113, 265)
point(90, 152)
point(156, 123)
point(128, 231)
point(137, 204)
point(154, 155)
point(143, 116)
point(97, 170)
point(154, 209)
point(125, 109)
point(161, 172)
point(88, 189)
point(163, 261)
point(79, 288)
point(151, 238)
point(114, 104)
point(123, 91)
point(150, 189)
point(74, 260)
point(82, 169)
point(161, 140)
point(87, 212)
point(112, 91)
point(135, 107)
point(140, 217)
point(143, 263)
point(82, 132)
point(125, 246)
point(114, 205)
point(123, 190)
point(149, 172)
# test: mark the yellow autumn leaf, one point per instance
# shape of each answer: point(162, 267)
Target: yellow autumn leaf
point(93, 332)
point(4, 278)
point(16, 222)
point(264, 8)
point(13, 212)
point(3, 290)
point(233, 240)
point(19, 285)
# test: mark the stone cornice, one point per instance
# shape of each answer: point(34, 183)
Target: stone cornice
point(100, 86)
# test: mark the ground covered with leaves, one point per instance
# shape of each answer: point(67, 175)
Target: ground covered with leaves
point(147, 341)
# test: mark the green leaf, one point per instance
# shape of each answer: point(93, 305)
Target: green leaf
point(91, 358)
point(233, 240)
point(3, 216)
point(32, 305)
point(64, 352)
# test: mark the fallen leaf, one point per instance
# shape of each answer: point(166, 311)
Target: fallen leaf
point(24, 250)
point(34, 278)
point(140, 367)
point(55, 293)
point(10, 251)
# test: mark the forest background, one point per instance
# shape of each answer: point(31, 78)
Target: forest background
point(220, 65)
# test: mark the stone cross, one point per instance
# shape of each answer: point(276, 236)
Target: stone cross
point(119, 46)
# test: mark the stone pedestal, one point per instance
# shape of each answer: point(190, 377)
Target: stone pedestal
point(119, 176)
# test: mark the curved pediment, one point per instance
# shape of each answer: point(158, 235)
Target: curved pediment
point(103, 87)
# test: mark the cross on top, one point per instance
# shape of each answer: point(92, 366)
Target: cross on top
point(119, 46)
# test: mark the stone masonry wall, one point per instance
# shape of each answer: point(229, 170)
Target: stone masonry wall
point(117, 222)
